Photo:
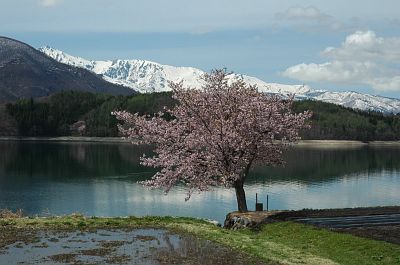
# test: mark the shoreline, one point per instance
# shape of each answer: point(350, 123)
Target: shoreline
point(302, 143)
point(274, 243)
point(66, 139)
point(377, 223)
point(345, 143)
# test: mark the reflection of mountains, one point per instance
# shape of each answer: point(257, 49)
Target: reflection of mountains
point(320, 165)
point(70, 160)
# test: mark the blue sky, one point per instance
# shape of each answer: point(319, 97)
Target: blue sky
point(334, 45)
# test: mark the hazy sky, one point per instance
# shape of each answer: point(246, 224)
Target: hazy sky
point(334, 45)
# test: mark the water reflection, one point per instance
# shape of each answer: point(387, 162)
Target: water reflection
point(101, 179)
point(311, 165)
point(189, 250)
point(138, 246)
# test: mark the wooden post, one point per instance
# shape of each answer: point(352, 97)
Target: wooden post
point(259, 206)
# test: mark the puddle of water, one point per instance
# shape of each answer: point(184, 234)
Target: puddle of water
point(140, 246)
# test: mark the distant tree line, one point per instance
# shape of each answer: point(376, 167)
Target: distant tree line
point(56, 115)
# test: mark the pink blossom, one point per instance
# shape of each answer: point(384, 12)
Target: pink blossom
point(217, 133)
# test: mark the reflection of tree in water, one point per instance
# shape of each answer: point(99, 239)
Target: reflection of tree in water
point(320, 165)
point(8, 151)
point(132, 153)
point(78, 152)
point(190, 250)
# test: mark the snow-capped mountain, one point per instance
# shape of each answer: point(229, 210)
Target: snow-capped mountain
point(27, 73)
point(146, 76)
point(140, 75)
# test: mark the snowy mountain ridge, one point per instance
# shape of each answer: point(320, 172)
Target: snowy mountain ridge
point(146, 76)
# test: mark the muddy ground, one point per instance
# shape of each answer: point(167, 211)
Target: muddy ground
point(137, 246)
point(287, 215)
point(390, 233)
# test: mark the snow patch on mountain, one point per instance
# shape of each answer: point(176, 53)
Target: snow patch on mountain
point(146, 77)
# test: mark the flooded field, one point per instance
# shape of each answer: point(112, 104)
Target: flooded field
point(139, 246)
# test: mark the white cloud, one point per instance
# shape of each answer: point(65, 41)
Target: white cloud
point(365, 45)
point(302, 13)
point(49, 3)
point(388, 83)
point(335, 71)
point(311, 19)
point(362, 59)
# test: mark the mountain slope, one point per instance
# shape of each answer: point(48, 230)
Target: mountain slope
point(146, 76)
point(25, 72)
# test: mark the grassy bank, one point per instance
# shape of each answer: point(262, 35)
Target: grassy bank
point(282, 242)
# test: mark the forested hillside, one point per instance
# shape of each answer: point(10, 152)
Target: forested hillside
point(330, 121)
point(88, 114)
point(60, 114)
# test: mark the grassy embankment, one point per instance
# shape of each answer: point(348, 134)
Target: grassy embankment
point(282, 242)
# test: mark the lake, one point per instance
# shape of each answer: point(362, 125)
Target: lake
point(50, 178)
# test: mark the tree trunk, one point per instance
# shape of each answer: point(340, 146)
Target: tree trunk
point(240, 196)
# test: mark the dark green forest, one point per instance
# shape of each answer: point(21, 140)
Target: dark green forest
point(331, 121)
point(62, 114)
point(56, 115)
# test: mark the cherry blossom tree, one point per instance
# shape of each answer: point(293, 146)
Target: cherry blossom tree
point(216, 134)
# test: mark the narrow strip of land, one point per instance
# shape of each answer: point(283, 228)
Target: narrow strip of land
point(353, 221)
point(301, 143)
point(380, 223)
point(67, 139)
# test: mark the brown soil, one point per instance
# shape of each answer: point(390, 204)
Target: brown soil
point(389, 234)
point(385, 233)
point(11, 235)
point(145, 238)
point(64, 258)
point(288, 215)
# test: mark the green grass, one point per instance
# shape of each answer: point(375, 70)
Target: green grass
point(283, 242)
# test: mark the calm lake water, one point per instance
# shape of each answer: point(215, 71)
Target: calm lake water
point(101, 179)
